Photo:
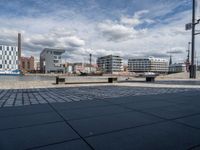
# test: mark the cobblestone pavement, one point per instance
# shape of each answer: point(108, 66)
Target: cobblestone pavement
point(20, 97)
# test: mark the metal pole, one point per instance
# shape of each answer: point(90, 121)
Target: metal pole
point(90, 63)
point(193, 66)
point(188, 57)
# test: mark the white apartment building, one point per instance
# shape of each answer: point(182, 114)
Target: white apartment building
point(8, 59)
point(110, 64)
point(151, 64)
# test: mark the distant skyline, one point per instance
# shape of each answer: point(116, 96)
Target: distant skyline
point(127, 28)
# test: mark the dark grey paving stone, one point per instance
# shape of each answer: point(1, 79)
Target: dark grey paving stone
point(161, 136)
point(79, 104)
point(147, 104)
point(133, 98)
point(92, 126)
point(185, 99)
point(91, 112)
point(193, 121)
point(28, 120)
point(173, 111)
point(23, 138)
point(24, 110)
point(71, 145)
point(196, 147)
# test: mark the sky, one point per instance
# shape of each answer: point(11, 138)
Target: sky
point(129, 28)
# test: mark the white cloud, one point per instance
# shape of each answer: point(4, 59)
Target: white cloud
point(116, 32)
point(80, 35)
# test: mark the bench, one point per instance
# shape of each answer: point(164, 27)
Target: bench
point(85, 80)
point(150, 78)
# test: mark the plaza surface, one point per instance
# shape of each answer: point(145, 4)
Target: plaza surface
point(100, 118)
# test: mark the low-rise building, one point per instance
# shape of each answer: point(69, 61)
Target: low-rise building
point(150, 64)
point(27, 64)
point(51, 60)
point(110, 64)
point(84, 68)
point(177, 67)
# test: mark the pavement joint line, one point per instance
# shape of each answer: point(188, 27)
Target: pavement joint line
point(172, 119)
point(128, 128)
point(26, 114)
point(98, 116)
point(33, 125)
point(6, 99)
point(136, 110)
point(55, 143)
point(184, 124)
point(67, 123)
point(78, 108)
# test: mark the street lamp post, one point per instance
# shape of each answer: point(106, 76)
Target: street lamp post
point(193, 66)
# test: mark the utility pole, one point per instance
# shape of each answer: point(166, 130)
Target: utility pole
point(193, 66)
point(188, 56)
point(90, 63)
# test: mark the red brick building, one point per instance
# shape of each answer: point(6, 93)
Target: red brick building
point(27, 64)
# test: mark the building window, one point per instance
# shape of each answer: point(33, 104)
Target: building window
point(28, 65)
point(23, 65)
point(0, 66)
point(1, 48)
point(7, 48)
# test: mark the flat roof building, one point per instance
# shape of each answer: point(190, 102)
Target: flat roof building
point(110, 64)
point(9, 59)
point(150, 64)
point(51, 60)
point(177, 67)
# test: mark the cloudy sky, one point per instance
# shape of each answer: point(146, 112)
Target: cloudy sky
point(130, 28)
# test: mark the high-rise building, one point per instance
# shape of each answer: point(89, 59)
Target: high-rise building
point(151, 64)
point(8, 59)
point(51, 60)
point(110, 64)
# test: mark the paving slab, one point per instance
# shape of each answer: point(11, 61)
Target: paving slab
point(24, 110)
point(76, 114)
point(24, 138)
point(103, 124)
point(145, 104)
point(162, 136)
point(173, 111)
point(193, 121)
point(28, 120)
point(79, 104)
